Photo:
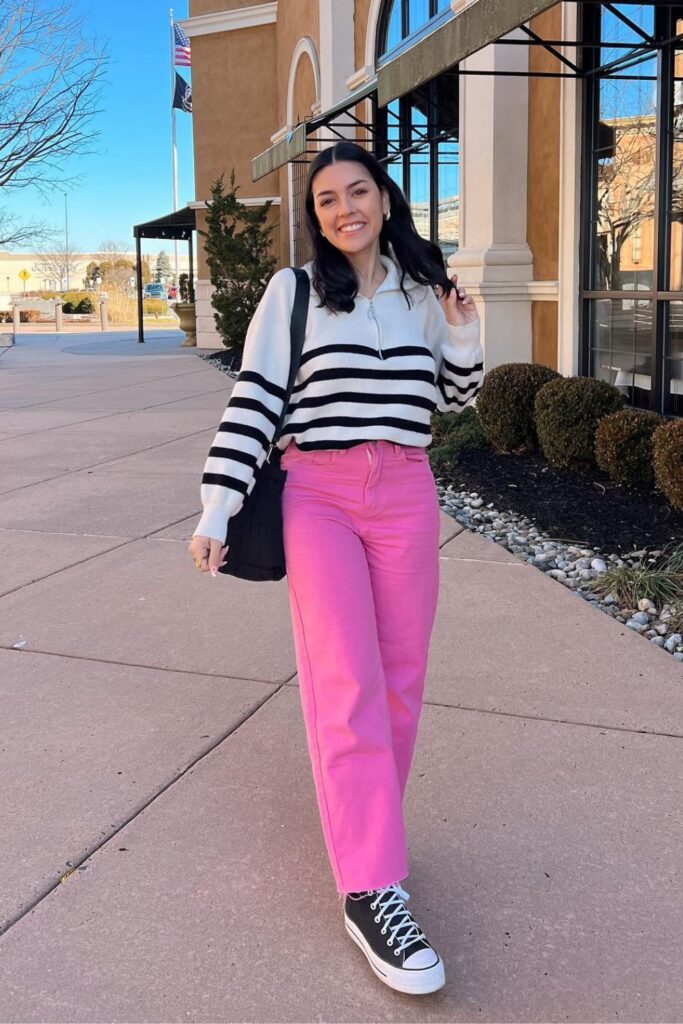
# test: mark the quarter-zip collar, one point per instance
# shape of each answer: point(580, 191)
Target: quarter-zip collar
point(392, 282)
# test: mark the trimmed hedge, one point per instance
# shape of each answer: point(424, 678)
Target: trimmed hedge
point(451, 432)
point(505, 404)
point(623, 446)
point(667, 450)
point(567, 412)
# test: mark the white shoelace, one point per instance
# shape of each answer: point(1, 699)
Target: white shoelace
point(391, 900)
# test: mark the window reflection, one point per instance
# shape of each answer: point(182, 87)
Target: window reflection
point(624, 198)
point(676, 215)
point(449, 197)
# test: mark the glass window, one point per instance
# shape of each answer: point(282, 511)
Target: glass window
point(625, 154)
point(621, 354)
point(673, 370)
point(418, 15)
point(401, 19)
point(448, 214)
point(417, 140)
point(633, 231)
point(394, 28)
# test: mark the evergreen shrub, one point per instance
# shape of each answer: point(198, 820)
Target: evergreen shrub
point(667, 450)
point(238, 247)
point(451, 432)
point(506, 404)
point(623, 446)
point(567, 412)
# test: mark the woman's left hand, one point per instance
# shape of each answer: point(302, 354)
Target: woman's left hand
point(459, 307)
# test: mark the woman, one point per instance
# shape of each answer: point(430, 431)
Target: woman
point(360, 517)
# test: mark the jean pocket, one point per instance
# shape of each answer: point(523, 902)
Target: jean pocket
point(413, 454)
point(321, 457)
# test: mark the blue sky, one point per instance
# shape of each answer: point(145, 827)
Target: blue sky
point(127, 178)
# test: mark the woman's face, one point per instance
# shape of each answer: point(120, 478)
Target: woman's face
point(349, 205)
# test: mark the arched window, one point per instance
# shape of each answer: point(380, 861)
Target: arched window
point(401, 20)
point(417, 135)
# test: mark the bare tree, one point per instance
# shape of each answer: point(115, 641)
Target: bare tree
point(49, 76)
point(15, 234)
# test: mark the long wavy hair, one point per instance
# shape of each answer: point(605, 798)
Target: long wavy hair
point(333, 277)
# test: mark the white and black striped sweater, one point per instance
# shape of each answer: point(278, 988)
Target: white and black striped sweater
point(375, 373)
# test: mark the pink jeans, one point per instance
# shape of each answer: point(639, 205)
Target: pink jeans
point(361, 535)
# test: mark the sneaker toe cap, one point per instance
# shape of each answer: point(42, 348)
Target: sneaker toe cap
point(420, 960)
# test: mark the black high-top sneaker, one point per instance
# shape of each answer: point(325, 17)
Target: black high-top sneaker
point(396, 949)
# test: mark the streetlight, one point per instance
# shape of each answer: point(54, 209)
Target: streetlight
point(66, 234)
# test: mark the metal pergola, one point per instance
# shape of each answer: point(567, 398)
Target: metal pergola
point(477, 26)
point(179, 226)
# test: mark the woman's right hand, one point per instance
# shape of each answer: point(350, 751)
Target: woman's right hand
point(210, 551)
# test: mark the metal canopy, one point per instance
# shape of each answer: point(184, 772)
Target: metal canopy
point(481, 24)
point(295, 142)
point(179, 226)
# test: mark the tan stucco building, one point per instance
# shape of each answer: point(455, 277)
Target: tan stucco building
point(506, 135)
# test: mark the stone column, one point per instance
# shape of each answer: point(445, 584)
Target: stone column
point(494, 261)
point(16, 319)
point(337, 63)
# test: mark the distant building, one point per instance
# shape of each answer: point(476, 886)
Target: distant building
point(48, 272)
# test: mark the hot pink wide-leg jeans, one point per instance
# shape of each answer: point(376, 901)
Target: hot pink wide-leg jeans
point(361, 535)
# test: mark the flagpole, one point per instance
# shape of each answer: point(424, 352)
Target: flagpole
point(173, 137)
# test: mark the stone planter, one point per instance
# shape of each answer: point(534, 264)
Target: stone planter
point(188, 322)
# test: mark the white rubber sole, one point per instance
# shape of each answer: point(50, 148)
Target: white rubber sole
point(415, 983)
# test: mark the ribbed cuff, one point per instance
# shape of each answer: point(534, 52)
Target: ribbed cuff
point(213, 523)
point(465, 337)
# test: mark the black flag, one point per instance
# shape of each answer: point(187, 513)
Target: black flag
point(183, 94)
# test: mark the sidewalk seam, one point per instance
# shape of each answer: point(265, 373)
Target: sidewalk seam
point(557, 721)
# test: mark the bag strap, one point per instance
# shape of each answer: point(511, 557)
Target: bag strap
point(297, 332)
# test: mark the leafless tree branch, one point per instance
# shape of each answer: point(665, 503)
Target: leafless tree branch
point(50, 78)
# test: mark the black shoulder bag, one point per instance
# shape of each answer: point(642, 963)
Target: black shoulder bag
point(254, 538)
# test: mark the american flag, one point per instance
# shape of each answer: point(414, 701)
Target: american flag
point(182, 47)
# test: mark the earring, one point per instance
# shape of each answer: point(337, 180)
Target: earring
point(387, 215)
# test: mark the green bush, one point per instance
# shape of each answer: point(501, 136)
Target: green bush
point(68, 307)
point(667, 450)
point(567, 412)
point(85, 306)
point(451, 432)
point(623, 446)
point(506, 404)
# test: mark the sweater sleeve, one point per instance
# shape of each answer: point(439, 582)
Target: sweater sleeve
point(459, 358)
point(253, 410)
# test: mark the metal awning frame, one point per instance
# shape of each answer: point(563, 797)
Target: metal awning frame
point(442, 51)
point(178, 226)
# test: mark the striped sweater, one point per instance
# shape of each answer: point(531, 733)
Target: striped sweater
point(375, 373)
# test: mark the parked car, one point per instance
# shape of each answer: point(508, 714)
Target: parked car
point(154, 291)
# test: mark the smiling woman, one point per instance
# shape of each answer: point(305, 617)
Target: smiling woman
point(360, 516)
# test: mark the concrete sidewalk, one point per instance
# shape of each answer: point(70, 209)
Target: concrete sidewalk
point(161, 853)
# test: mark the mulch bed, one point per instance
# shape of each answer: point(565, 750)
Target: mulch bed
point(566, 505)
